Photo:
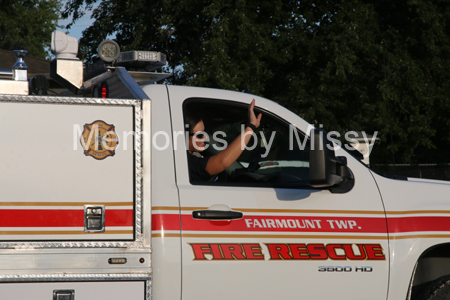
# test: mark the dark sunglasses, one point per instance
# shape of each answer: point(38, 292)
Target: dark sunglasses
point(200, 136)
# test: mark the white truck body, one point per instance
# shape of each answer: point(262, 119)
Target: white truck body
point(370, 242)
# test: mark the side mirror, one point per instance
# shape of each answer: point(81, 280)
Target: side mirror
point(325, 169)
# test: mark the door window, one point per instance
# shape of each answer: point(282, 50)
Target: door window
point(276, 156)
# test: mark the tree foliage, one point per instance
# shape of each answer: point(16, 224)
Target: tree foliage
point(372, 65)
point(28, 24)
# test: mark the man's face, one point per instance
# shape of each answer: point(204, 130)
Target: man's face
point(196, 143)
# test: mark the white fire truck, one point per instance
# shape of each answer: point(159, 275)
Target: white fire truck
point(96, 200)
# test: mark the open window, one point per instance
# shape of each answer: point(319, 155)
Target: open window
point(276, 156)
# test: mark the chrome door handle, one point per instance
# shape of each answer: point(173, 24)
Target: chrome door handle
point(217, 214)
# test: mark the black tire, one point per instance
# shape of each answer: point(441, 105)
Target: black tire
point(435, 290)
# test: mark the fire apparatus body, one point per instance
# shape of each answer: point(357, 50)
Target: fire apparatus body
point(97, 202)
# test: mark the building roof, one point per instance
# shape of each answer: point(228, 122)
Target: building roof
point(35, 65)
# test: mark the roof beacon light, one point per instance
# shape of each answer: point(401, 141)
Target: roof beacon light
point(150, 60)
point(64, 46)
point(147, 56)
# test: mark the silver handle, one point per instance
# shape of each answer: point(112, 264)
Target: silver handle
point(63, 294)
point(94, 218)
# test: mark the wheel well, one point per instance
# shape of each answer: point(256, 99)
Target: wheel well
point(432, 264)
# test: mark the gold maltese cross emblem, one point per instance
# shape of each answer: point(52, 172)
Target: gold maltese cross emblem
point(99, 140)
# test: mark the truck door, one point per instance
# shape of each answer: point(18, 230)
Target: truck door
point(293, 240)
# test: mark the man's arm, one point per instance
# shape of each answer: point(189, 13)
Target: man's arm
point(228, 156)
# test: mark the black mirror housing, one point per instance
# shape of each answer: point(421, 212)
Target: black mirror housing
point(325, 169)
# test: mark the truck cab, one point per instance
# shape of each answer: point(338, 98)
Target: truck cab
point(291, 234)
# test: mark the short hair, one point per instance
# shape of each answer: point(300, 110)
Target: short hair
point(191, 118)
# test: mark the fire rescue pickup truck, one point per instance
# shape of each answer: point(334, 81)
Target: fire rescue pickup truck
point(96, 200)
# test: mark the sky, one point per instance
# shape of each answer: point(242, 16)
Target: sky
point(80, 25)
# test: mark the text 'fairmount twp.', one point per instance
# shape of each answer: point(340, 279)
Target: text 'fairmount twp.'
point(300, 223)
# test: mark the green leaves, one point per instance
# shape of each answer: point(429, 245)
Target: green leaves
point(347, 64)
point(28, 24)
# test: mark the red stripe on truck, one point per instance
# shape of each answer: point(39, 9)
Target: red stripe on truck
point(60, 217)
point(417, 224)
point(272, 223)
